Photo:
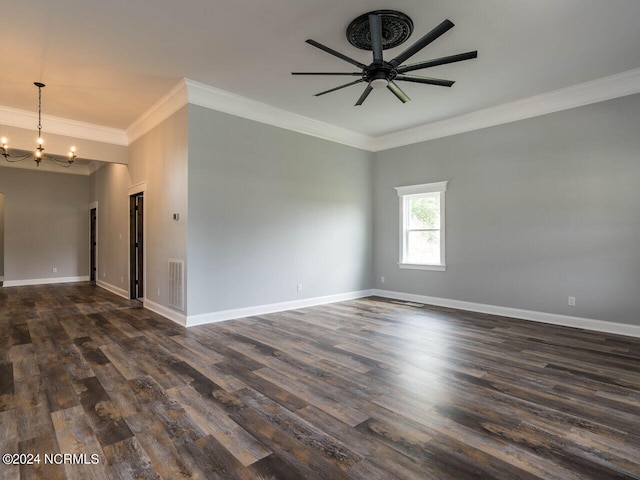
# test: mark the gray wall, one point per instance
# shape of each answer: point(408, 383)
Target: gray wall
point(1, 236)
point(158, 158)
point(109, 188)
point(269, 209)
point(537, 210)
point(46, 224)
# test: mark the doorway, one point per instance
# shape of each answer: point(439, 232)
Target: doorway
point(136, 246)
point(93, 214)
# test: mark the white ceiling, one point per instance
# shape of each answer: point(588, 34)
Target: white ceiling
point(106, 62)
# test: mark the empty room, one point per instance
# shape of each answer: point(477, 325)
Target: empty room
point(324, 240)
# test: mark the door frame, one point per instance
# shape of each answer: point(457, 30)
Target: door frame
point(94, 205)
point(135, 190)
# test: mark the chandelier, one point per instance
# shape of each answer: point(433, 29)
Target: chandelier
point(38, 155)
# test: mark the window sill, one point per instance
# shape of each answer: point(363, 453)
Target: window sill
point(417, 266)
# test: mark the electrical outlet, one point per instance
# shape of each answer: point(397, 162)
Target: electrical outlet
point(158, 292)
point(54, 270)
point(104, 274)
point(572, 301)
point(381, 279)
point(299, 287)
point(121, 279)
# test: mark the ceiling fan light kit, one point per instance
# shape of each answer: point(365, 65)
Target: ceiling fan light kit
point(378, 31)
point(38, 155)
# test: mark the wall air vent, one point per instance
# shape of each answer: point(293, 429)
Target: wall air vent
point(176, 284)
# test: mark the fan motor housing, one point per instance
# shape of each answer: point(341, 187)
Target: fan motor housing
point(383, 71)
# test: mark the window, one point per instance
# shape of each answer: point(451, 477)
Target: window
point(422, 226)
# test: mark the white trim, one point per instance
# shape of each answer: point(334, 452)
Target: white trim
point(420, 266)
point(177, 317)
point(62, 126)
point(422, 189)
point(542, 317)
point(167, 105)
point(137, 188)
point(404, 195)
point(606, 88)
point(220, 316)
point(45, 281)
point(223, 101)
point(113, 289)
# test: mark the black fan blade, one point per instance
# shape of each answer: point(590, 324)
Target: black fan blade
point(364, 95)
point(375, 30)
point(430, 81)
point(327, 73)
point(338, 88)
point(439, 61)
point(423, 42)
point(397, 91)
point(336, 54)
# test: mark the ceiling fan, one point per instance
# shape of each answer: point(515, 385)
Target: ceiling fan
point(380, 30)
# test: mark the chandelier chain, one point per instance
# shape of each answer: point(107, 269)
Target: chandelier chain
point(39, 110)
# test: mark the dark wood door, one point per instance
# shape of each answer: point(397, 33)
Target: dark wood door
point(136, 241)
point(92, 272)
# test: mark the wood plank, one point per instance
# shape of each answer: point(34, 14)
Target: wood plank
point(215, 422)
point(9, 443)
point(40, 445)
point(75, 436)
point(128, 460)
point(105, 419)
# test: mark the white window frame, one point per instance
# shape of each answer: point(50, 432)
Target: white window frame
point(410, 192)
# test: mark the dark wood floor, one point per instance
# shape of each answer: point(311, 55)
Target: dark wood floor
point(367, 389)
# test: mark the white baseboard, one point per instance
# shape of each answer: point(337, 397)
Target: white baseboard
point(121, 292)
point(220, 316)
point(45, 281)
point(179, 318)
point(551, 318)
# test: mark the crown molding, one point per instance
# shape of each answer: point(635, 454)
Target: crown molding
point(223, 101)
point(62, 126)
point(189, 91)
point(167, 105)
point(606, 88)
